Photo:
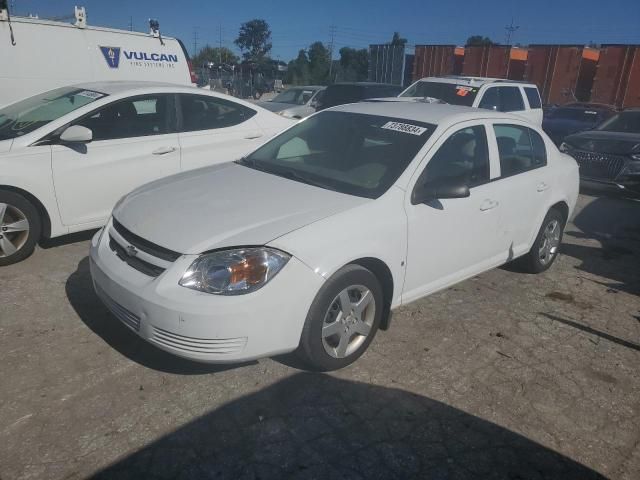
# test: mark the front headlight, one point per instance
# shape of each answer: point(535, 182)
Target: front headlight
point(234, 272)
point(564, 147)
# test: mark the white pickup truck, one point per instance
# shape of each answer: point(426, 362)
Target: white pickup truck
point(520, 98)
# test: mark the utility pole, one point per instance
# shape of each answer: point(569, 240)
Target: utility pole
point(510, 29)
point(131, 24)
point(220, 51)
point(332, 33)
point(195, 41)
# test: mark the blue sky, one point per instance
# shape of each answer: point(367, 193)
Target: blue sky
point(296, 24)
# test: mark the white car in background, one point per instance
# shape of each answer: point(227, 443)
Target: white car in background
point(295, 102)
point(309, 242)
point(499, 95)
point(68, 155)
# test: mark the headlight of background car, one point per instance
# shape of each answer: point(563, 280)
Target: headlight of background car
point(564, 147)
point(234, 272)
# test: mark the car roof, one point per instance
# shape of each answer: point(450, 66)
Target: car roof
point(433, 113)
point(365, 84)
point(585, 106)
point(308, 87)
point(473, 81)
point(117, 87)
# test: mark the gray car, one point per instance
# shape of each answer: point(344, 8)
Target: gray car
point(295, 102)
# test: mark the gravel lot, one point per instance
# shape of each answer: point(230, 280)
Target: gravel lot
point(506, 375)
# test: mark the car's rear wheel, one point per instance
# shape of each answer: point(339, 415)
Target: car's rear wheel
point(547, 244)
point(343, 319)
point(20, 228)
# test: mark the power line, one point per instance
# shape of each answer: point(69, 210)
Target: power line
point(510, 29)
point(332, 30)
point(195, 41)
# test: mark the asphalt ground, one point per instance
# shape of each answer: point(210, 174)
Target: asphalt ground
point(506, 375)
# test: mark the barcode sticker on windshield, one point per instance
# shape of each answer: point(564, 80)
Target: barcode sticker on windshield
point(404, 128)
point(90, 94)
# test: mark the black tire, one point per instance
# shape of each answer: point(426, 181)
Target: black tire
point(17, 203)
point(312, 350)
point(532, 261)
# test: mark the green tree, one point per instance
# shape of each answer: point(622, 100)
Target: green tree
point(478, 41)
point(254, 39)
point(318, 63)
point(209, 54)
point(354, 64)
point(298, 70)
point(397, 40)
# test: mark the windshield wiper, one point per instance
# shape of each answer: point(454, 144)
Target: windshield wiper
point(284, 172)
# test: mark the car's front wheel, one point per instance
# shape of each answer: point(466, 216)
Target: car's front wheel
point(342, 320)
point(547, 244)
point(20, 228)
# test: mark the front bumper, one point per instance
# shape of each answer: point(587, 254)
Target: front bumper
point(626, 183)
point(200, 326)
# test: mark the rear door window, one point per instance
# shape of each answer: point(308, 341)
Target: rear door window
point(510, 99)
point(533, 96)
point(203, 112)
point(502, 99)
point(521, 149)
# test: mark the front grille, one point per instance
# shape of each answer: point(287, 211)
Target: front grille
point(134, 262)
point(145, 245)
point(219, 346)
point(598, 166)
point(125, 316)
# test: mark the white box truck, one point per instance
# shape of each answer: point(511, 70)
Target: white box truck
point(38, 55)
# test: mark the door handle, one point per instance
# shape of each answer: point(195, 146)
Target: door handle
point(488, 205)
point(542, 187)
point(252, 136)
point(164, 150)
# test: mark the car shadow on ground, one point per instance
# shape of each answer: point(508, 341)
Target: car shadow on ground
point(315, 426)
point(94, 314)
point(614, 222)
point(67, 239)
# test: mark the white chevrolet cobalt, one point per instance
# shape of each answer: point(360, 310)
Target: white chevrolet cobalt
point(67, 156)
point(309, 242)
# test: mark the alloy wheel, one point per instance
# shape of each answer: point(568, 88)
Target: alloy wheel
point(348, 321)
point(550, 242)
point(14, 230)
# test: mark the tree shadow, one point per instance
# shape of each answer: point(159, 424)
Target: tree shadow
point(315, 426)
point(615, 224)
point(79, 290)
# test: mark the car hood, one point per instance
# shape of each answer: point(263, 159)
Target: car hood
point(224, 206)
point(617, 143)
point(276, 106)
point(5, 145)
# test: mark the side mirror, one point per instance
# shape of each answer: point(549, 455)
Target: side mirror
point(440, 190)
point(76, 134)
point(314, 104)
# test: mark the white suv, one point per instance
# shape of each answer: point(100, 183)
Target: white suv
point(495, 94)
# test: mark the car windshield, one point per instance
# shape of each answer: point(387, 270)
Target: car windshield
point(447, 92)
point(576, 114)
point(351, 153)
point(295, 96)
point(627, 122)
point(34, 112)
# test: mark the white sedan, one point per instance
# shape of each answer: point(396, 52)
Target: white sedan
point(67, 156)
point(309, 242)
